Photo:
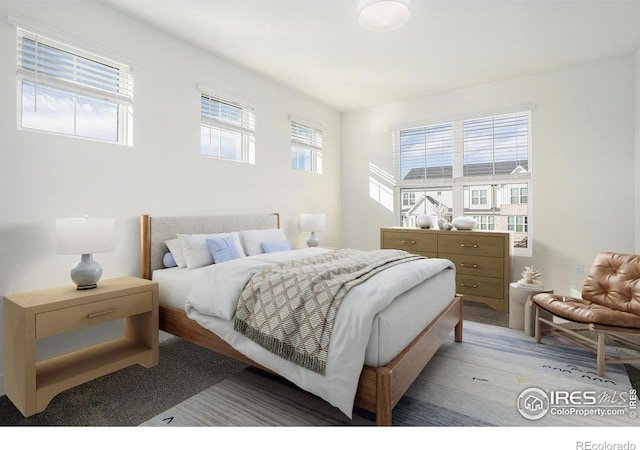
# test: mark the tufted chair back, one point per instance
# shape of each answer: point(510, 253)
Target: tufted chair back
point(614, 282)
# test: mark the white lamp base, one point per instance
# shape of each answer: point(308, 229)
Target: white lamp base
point(313, 241)
point(86, 273)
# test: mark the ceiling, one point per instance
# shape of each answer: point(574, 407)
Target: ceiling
point(317, 47)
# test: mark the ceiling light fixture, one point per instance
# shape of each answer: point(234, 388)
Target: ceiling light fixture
point(383, 15)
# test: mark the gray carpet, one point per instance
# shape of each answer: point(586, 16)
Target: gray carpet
point(135, 395)
point(476, 383)
point(130, 396)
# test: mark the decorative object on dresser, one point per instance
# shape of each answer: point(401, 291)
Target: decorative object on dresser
point(32, 316)
point(312, 223)
point(443, 224)
point(464, 223)
point(424, 221)
point(483, 259)
point(85, 236)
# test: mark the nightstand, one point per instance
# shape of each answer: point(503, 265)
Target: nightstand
point(31, 316)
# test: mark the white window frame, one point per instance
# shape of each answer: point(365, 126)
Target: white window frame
point(457, 181)
point(408, 199)
point(478, 196)
point(74, 80)
point(518, 196)
point(306, 135)
point(216, 115)
point(485, 222)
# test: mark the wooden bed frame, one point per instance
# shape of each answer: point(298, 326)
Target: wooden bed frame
point(379, 388)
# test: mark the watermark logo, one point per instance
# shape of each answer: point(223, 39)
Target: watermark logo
point(534, 403)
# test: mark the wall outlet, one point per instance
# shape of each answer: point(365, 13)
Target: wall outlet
point(578, 271)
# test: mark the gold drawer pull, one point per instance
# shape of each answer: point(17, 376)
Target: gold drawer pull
point(475, 266)
point(408, 242)
point(465, 245)
point(469, 285)
point(101, 313)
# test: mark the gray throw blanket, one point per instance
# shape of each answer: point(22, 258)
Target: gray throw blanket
point(290, 308)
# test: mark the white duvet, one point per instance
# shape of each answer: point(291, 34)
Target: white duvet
point(214, 296)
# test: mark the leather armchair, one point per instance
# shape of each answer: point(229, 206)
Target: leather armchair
point(609, 306)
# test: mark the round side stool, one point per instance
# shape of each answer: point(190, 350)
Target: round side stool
point(522, 312)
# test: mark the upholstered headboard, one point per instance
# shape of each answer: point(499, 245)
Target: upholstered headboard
point(155, 231)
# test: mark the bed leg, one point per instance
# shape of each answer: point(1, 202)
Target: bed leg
point(458, 332)
point(383, 396)
point(458, 327)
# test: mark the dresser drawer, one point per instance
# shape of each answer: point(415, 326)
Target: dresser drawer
point(484, 266)
point(62, 320)
point(480, 286)
point(414, 242)
point(471, 244)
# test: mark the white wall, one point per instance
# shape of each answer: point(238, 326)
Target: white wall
point(44, 177)
point(583, 162)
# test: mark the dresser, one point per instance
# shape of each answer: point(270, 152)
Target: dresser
point(483, 259)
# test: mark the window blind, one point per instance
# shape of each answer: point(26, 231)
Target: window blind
point(47, 62)
point(424, 153)
point(477, 166)
point(496, 145)
point(226, 114)
point(306, 137)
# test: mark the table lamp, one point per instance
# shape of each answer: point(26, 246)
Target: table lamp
point(85, 236)
point(312, 223)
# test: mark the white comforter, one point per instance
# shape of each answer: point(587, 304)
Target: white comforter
point(213, 299)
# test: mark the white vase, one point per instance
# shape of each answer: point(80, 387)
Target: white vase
point(464, 223)
point(424, 221)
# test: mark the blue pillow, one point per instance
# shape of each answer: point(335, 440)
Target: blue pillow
point(280, 246)
point(222, 249)
point(168, 260)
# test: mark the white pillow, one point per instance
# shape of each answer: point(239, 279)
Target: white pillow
point(195, 249)
point(175, 248)
point(253, 239)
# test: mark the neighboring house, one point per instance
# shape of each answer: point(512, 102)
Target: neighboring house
point(499, 207)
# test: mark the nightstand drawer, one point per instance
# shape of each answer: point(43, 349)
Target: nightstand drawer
point(421, 243)
point(471, 244)
point(484, 266)
point(63, 320)
point(480, 286)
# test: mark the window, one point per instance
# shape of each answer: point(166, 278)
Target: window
point(477, 167)
point(408, 198)
point(519, 195)
point(432, 201)
point(306, 147)
point(485, 222)
point(66, 90)
point(426, 153)
point(478, 197)
point(518, 224)
point(227, 129)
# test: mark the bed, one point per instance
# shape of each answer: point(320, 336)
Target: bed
point(396, 342)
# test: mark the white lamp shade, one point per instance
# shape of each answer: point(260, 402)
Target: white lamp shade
point(383, 15)
point(312, 222)
point(79, 236)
